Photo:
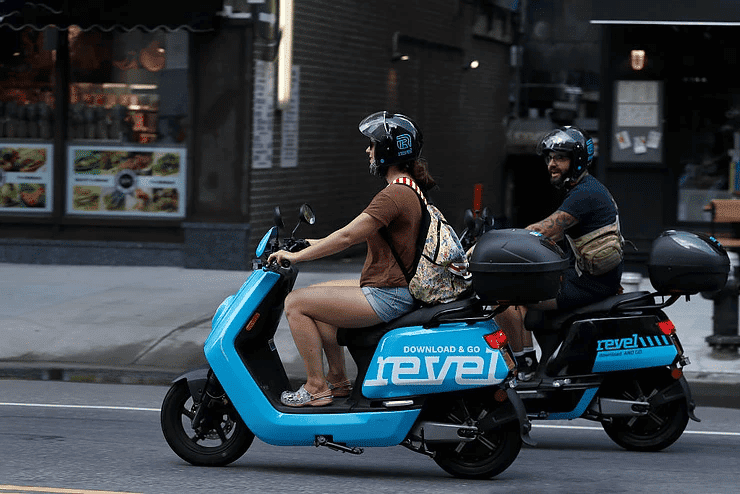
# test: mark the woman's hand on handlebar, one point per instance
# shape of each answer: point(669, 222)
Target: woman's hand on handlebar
point(282, 257)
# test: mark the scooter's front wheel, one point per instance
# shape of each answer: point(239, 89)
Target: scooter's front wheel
point(221, 438)
point(487, 455)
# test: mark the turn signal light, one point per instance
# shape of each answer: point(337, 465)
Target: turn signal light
point(667, 327)
point(496, 340)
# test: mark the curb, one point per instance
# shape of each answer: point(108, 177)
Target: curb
point(87, 373)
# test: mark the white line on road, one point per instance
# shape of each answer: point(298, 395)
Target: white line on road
point(586, 428)
point(88, 407)
point(143, 409)
point(16, 489)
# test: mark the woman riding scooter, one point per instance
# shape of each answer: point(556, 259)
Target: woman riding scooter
point(381, 294)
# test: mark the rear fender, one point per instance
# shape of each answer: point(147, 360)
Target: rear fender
point(679, 390)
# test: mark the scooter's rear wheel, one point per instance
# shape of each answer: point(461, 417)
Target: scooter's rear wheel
point(222, 439)
point(660, 427)
point(487, 455)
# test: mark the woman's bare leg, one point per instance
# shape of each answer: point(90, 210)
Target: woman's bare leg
point(314, 313)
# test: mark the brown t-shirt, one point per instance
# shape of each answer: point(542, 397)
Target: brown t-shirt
point(397, 208)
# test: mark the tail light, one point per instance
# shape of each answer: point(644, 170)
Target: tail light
point(499, 341)
point(667, 327)
point(496, 340)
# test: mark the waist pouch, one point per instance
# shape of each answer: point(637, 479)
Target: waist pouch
point(600, 251)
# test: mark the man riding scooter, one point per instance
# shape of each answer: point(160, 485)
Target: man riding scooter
point(588, 219)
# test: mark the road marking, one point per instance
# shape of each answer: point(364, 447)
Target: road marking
point(17, 489)
point(587, 428)
point(143, 409)
point(88, 407)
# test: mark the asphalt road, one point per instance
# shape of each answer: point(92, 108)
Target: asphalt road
point(98, 437)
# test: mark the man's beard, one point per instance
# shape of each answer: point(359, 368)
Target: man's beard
point(558, 182)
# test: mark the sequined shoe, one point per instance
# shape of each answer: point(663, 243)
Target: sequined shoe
point(340, 389)
point(303, 398)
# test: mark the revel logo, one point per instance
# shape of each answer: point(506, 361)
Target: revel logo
point(632, 342)
point(403, 143)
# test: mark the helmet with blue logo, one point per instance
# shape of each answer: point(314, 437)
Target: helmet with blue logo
point(397, 138)
point(574, 142)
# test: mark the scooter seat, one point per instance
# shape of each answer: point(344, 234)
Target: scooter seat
point(537, 320)
point(427, 316)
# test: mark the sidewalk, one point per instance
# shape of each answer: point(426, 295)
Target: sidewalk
point(148, 324)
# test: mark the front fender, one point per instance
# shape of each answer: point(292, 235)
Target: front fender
point(196, 379)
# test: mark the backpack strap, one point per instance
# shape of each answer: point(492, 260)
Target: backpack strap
point(421, 238)
point(412, 184)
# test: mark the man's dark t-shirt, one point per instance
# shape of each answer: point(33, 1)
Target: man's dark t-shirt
point(591, 204)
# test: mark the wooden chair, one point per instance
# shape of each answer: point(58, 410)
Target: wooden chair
point(725, 211)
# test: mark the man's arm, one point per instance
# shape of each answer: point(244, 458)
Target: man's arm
point(554, 226)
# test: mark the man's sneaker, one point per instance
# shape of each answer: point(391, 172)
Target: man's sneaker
point(526, 365)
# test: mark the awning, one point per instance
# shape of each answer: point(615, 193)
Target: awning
point(667, 12)
point(107, 15)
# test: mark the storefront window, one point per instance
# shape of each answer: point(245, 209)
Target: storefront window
point(127, 122)
point(27, 59)
point(128, 87)
point(709, 148)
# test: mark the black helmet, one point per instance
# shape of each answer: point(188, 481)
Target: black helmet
point(573, 141)
point(397, 138)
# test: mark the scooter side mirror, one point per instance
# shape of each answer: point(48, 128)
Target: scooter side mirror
point(277, 218)
point(305, 215)
point(487, 219)
point(469, 219)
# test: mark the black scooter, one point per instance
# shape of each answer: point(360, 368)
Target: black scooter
point(619, 361)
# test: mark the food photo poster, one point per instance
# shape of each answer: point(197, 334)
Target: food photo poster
point(26, 178)
point(128, 181)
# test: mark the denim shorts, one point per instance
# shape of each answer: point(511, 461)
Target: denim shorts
point(389, 303)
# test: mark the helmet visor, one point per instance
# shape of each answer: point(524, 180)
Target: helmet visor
point(375, 126)
point(556, 140)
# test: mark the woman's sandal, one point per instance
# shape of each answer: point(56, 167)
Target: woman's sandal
point(340, 389)
point(302, 398)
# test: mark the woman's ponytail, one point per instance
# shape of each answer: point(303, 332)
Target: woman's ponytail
point(419, 171)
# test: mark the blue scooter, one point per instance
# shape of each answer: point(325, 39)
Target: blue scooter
point(437, 381)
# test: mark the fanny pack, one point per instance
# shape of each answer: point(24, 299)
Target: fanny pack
point(601, 250)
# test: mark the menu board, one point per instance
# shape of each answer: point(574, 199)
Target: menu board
point(26, 178)
point(126, 181)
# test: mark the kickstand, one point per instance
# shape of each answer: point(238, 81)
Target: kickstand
point(327, 441)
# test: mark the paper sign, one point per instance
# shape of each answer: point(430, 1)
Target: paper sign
point(623, 140)
point(640, 146)
point(653, 139)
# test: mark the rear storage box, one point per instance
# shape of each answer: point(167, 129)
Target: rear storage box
point(517, 266)
point(686, 263)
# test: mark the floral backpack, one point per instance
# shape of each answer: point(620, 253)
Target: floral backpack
point(439, 273)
